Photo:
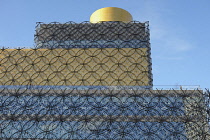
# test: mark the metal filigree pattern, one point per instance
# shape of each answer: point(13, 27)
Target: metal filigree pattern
point(106, 53)
point(89, 35)
point(54, 113)
point(93, 81)
point(76, 67)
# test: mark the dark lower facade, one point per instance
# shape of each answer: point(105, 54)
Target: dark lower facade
point(27, 113)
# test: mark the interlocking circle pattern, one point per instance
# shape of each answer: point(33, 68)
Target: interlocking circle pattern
point(93, 81)
point(76, 67)
point(53, 113)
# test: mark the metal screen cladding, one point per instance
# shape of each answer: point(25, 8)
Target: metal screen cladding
point(90, 35)
point(76, 67)
point(93, 81)
point(65, 113)
point(105, 53)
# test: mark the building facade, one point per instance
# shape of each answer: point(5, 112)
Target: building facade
point(93, 80)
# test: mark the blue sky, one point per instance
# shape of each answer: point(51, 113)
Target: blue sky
point(180, 31)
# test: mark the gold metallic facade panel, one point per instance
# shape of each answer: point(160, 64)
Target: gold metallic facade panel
point(93, 66)
point(110, 14)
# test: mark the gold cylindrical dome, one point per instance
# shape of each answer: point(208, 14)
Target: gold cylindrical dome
point(110, 14)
